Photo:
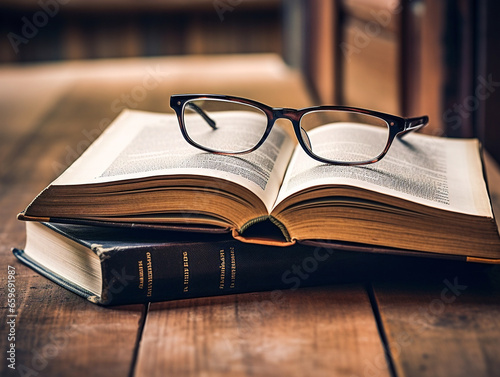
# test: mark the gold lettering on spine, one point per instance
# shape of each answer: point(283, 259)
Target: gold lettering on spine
point(185, 264)
point(141, 274)
point(149, 267)
point(222, 268)
point(233, 268)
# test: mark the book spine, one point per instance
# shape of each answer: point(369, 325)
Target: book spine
point(177, 271)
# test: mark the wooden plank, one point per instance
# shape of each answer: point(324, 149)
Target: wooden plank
point(327, 331)
point(60, 334)
point(447, 325)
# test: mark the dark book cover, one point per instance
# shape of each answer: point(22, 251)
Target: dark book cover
point(140, 265)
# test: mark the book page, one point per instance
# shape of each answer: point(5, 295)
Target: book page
point(433, 171)
point(142, 144)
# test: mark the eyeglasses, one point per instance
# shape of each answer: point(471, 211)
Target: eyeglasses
point(232, 125)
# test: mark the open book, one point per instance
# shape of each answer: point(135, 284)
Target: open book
point(427, 195)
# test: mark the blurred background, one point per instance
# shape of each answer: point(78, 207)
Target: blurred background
point(406, 57)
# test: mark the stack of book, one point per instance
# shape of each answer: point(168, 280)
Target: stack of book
point(143, 216)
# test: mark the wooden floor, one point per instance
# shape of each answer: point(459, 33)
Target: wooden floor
point(428, 321)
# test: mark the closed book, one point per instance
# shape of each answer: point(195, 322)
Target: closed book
point(109, 265)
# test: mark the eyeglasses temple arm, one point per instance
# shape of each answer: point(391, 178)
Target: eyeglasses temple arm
point(204, 115)
point(414, 124)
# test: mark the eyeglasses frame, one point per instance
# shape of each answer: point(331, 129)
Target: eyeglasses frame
point(398, 126)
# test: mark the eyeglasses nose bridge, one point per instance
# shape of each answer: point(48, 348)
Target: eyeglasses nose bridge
point(293, 116)
point(286, 113)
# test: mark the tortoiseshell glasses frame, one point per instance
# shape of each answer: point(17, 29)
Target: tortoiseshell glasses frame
point(397, 126)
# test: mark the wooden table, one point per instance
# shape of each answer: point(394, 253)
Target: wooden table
point(432, 323)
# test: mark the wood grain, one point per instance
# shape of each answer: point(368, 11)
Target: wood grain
point(59, 333)
point(326, 331)
point(446, 326)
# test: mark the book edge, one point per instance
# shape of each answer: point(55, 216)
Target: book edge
point(120, 224)
point(24, 258)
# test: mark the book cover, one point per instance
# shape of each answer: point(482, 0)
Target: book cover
point(110, 266)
